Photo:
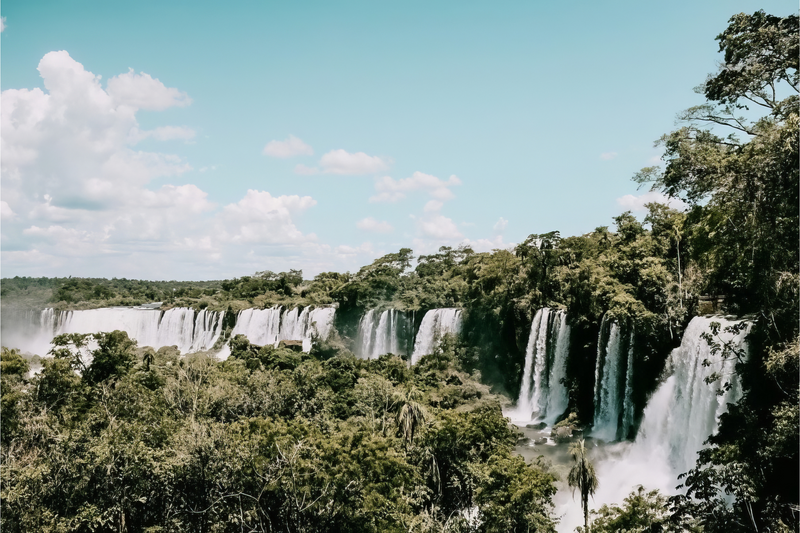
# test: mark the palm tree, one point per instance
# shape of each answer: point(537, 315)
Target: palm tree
point(411, 414)
point(582, 477)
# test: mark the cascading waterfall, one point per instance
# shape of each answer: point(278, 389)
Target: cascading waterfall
point(613, 382)
point(435, 324)
point(685, 410)
point(189, 330)
point(270, 326)
point(543, 395)
point(679, 417)
point(387, 334)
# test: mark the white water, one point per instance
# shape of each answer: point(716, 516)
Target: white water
point(435, 324)
point(614, 410)
point(270, 326)
point(183, 327)
point(385, 335)
point(679, 417)
point(543, 397)
point(189, 330)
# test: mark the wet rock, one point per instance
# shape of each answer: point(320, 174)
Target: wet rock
point(540, 425)
point(295, 346)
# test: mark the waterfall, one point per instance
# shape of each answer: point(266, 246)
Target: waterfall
point(435, 324)
point(614, 409)
point(628, 407)
point(685, 410)
point(185, 328)
point(386, 335)
point(542, 395)
point(189, 330)
point(680, 415)
point(270, 326)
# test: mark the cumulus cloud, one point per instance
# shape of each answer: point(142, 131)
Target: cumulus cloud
point(291, 147)
point(629, 202)
point(73, 142)
point(2, 24)
point(391, 190)
point(142, 91)
point(261, 218)
point(6, 213)
point(608, 156)
point(345, 163)
point(500, 225)
point(377, 226)
point(73, 186)
point(433, 206)
point(78, 195)
point(439, 227)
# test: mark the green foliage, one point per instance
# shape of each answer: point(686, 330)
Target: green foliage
point(268, 440)
point(247, 287)
point(742, 235)
point(641, 512)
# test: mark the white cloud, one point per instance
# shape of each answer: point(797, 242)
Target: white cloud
point(78, 198)
point(2, 24)
point(261, 218)
point(6, 213)
point(291, 147)
point(633, 203)
point(345, 163)
point(370, 224)
point(500, 225)
point(141, 91)
point(391, 190)
point(608, 156)
point(437, 226)
point(433, 206)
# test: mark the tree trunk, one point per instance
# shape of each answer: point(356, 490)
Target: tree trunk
point(586, 513)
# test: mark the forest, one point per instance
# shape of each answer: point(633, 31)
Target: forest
point(272, 439)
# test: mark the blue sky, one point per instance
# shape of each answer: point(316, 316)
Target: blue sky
point(320, 135)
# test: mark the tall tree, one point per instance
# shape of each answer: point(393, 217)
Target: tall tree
point(582, 477)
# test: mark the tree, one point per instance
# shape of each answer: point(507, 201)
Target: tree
point(582, 477)
point(734, 162)
point(411, 415)
point(114, 356)
point(641, 512)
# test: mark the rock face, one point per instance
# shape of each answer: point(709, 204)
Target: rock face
point(295, 346)
point(540, 425)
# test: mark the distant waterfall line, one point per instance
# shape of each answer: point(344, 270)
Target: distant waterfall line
point(189, 330)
